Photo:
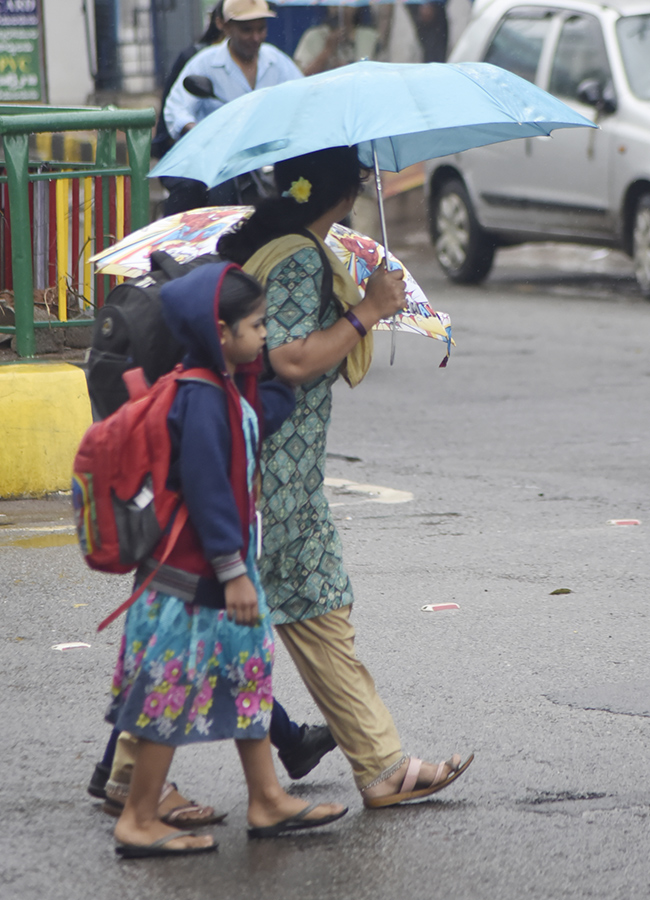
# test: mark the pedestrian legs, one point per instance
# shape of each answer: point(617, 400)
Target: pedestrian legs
point(268, 803)
point(139, 824)
point(323, 650)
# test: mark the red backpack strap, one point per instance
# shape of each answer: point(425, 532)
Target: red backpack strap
point(207, 376)
point(136, 383)
point(179, 523)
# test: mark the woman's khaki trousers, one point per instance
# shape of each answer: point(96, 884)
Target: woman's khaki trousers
point(323, 650)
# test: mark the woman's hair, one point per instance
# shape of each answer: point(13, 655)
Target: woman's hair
point(239, 297)
point(332, 174)
point(213, 33)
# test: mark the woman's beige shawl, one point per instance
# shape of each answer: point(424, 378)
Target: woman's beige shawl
point(260, 265)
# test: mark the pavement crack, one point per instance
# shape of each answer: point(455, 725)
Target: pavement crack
point(561, 797)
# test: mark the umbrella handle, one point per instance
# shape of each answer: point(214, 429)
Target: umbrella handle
point(384, 237)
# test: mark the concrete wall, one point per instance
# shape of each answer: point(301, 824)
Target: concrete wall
point(44, 412)
point(68, 67)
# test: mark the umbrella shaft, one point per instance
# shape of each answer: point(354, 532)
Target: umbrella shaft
point(384, 237)
point(380, 201)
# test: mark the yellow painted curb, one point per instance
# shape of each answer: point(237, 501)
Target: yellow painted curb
point(44, 412)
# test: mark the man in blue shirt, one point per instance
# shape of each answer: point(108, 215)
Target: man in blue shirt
point(242, 63)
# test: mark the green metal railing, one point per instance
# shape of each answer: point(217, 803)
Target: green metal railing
point(99, 217)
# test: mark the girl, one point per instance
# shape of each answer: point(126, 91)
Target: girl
point(197, 650)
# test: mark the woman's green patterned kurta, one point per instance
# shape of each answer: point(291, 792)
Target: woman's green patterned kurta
point(302, 567)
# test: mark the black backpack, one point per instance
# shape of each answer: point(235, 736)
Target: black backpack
point(130, 330)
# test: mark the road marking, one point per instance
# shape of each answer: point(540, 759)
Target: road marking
point(39, 541)
point(374, 493)
point(69, 529)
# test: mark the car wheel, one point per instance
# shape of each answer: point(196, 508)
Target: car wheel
point(641, 244)
point(463, 249)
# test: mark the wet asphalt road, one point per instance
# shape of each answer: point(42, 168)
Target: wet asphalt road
point(517, 455)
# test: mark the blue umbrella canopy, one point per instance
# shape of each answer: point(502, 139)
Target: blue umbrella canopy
point(405, 112)
point(397, 114)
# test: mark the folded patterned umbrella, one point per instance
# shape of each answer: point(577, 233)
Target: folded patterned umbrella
point(188, 234)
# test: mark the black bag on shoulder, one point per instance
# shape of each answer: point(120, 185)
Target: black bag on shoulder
point(130, 332)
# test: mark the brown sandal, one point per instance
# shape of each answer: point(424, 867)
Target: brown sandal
point(190, 815)
point(407, 792)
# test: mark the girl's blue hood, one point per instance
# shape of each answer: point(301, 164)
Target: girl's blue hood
point(191, 310)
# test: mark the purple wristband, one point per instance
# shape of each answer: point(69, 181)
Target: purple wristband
point(352, 319)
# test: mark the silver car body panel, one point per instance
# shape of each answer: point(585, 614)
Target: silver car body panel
point(572, 185)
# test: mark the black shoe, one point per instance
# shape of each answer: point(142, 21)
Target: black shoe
point(97, 786)
point(314, 742)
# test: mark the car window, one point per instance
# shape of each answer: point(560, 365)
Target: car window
point(517, 43)
point(634, 39)
point(580, 54)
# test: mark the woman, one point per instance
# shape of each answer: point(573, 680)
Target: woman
point(309, 344)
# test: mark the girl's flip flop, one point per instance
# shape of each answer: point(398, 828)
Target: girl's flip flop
point(295, 823)
point(407, 792)
point(159, 848)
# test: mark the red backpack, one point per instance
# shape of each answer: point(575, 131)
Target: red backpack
point(122, 505)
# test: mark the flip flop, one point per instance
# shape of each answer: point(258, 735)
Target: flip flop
point(177, 817)
point(203, 815)
point(407, 792)
point(295, 823)
point(159, 848)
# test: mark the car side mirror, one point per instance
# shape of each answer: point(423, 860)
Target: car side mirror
point(591, 93)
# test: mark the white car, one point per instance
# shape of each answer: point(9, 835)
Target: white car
point(580, 185)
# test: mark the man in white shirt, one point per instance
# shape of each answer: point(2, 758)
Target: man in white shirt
point(242, 63)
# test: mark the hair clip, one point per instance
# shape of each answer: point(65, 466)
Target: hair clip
point(300, 190)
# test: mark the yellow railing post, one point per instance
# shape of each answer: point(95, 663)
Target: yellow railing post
point(119, 209)
point(62, 218)
point(87, 237)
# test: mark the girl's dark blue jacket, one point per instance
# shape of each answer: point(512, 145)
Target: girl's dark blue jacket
point(202, 443)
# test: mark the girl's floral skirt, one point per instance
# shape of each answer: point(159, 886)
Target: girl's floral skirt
point(186, 673)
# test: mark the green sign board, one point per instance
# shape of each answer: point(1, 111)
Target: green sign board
point(21, 54)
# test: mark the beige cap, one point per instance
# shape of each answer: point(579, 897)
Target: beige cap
point(246, 10)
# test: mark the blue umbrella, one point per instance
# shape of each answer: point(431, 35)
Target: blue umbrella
point(404, 112)
point(397, 114)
